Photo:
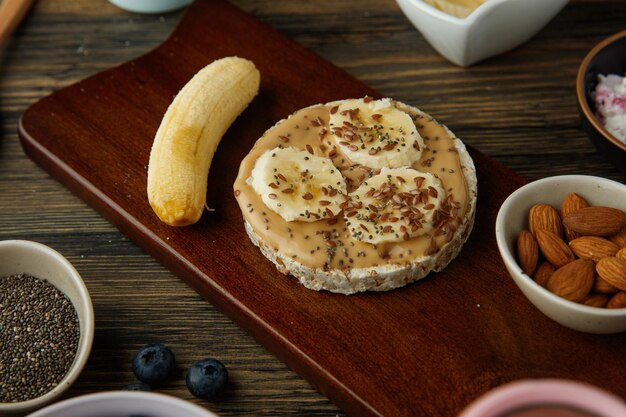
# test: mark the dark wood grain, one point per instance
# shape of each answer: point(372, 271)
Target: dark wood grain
point(467, 325)
point(518, 108)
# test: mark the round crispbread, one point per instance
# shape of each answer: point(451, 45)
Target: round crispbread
point(385, 277)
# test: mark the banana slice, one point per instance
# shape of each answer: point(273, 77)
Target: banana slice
point(395, 205)
point(376, 134)
point(298, 185)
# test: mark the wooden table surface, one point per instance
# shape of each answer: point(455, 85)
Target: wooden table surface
point(519, 108)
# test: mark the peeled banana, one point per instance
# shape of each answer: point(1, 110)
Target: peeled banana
point(189, 133)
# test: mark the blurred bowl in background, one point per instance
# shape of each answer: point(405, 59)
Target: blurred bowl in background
point(150, 6)
point(546, 397)
point(494, 27)
point(124, 404)
point(607, 57)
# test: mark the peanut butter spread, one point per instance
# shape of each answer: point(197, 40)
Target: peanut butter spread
point(328, 243)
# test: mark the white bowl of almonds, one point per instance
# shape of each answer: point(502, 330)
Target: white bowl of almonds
point(563, 240)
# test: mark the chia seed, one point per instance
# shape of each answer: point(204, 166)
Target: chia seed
point(39, 334)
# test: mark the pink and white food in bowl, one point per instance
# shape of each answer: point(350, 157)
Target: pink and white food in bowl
point(610, 99)
point(546, 398)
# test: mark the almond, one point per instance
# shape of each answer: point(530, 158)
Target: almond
point(617, 301)
point(553, 248)
point(601, 286)
point(621, 253)
point(619, 238)
point(543, 273)
point(593, 247)
point(527, 252)
point(544, 216)
point(574, 280)
point(613, 271)
point(595, 300)
point(572, 202)
point(596, 221)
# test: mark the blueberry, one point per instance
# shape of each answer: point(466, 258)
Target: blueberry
point(140, 386)
point(154, 364)
point(207, 378)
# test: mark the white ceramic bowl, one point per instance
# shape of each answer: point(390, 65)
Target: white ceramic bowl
point(494, 27)
point(526, 394)
point(21, 256)
point(513, 217)
point(150, 6)
point(124, 404)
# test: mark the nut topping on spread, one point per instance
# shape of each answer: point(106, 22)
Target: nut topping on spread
point(359, 183)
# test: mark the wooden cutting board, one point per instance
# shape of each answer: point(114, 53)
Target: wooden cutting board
point(425, 350)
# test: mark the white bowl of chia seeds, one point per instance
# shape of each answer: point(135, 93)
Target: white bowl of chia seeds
point(46, 325)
